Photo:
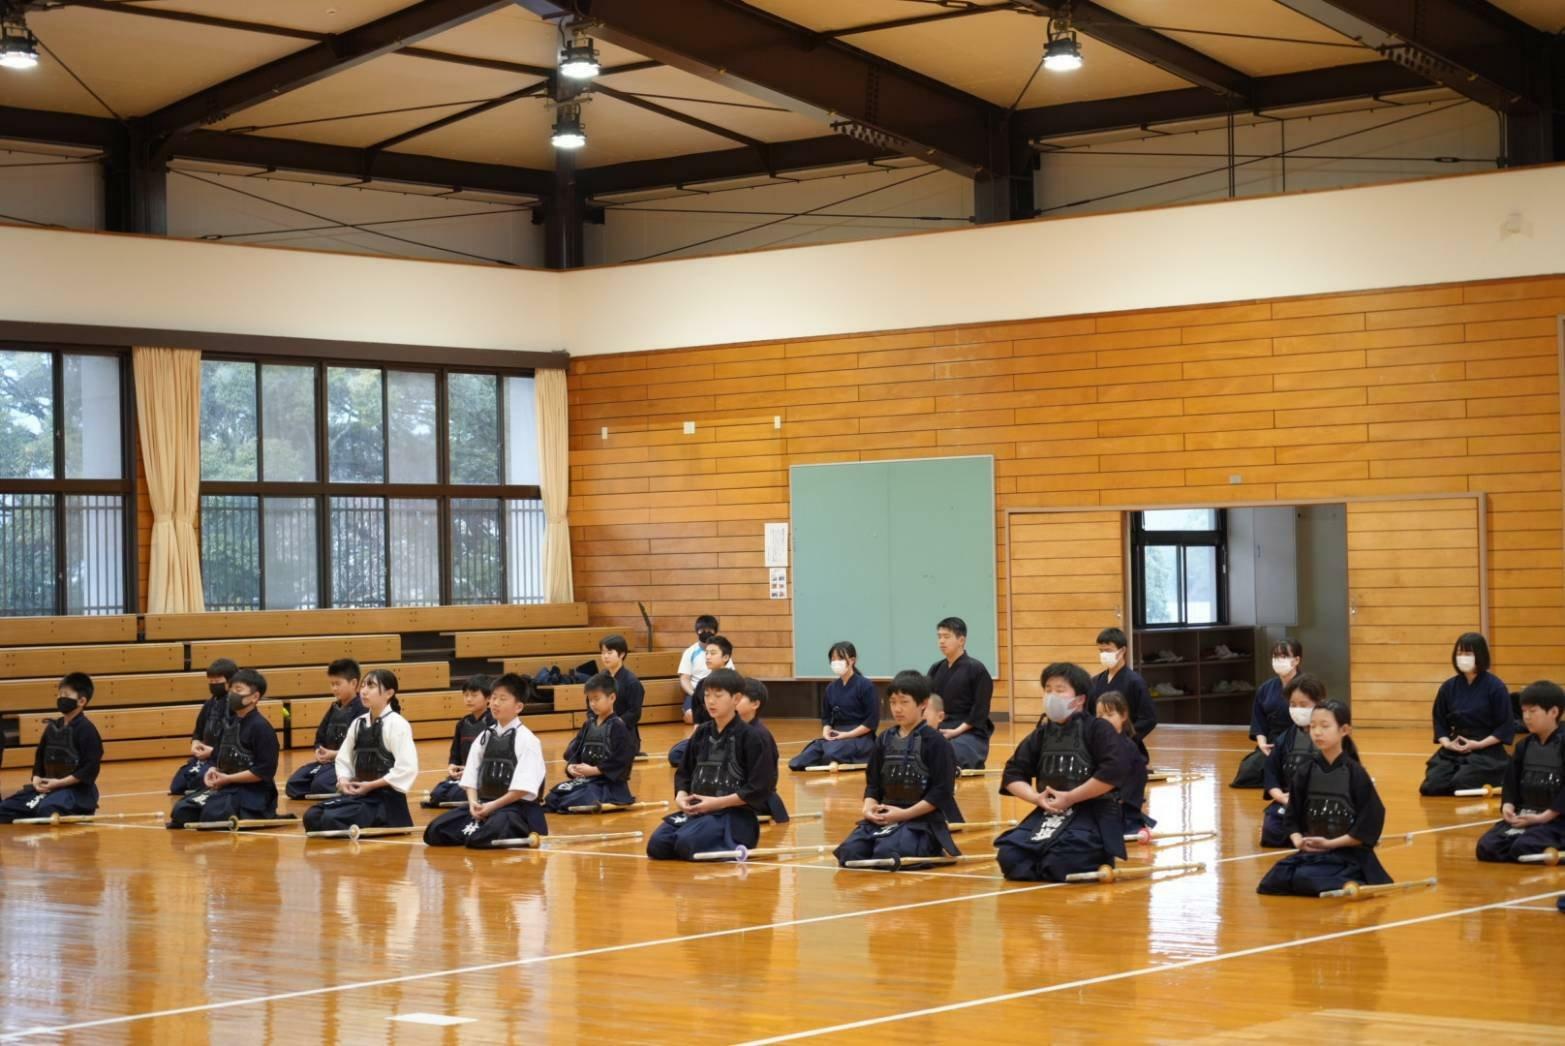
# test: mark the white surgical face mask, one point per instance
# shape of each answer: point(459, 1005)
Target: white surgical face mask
point(838, 667)
point(1057, 707)
point(1300, 716)
point(1282, 665)
point(1466, 662)
point(1108, 658)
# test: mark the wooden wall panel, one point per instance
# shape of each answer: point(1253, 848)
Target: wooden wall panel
point(1427, 390)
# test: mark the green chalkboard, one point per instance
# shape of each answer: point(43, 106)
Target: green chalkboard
point(882, 550)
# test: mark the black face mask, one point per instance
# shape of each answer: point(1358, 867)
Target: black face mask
point(236, 702)
point(217, 689)
point(705, 634)
point(66, 705)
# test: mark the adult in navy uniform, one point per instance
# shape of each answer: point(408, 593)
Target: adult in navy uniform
point(722, 782)
point(850, 714)
point(66, 762)
point(1069, 768)
point(1291, 753)
point(1113, 655)
point(1532, 806)
point(376, 765)
point(239, 781)
point(966, 686)
point(503, 779)
point(909, 785)
point(320, 775)
point(475, 693)
point(1335, 815)
point(1269, 713)
point(598, 759)
point(208, 730)
point(1473, 723)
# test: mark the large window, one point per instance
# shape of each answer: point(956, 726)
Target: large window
point(64, 494)
point(326, 485)
point(1179, 561)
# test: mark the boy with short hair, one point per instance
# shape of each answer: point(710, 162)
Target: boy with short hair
point(1069, 767)
point(909, 786)
point(968, 688)
point(475, 693)
point(719, 654)
point(598, 759)
point(239, 781)
point(503, 779)
point(629, 694)
point(1114, 656)
point(208, 730)
point(749, 705)
point(722, 781)
point(66, 762)
point(692, 664)
point(1532, 800)
point(320, 776)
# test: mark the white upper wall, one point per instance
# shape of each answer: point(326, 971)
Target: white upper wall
point(1486, 226)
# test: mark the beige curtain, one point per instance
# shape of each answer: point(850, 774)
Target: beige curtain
point(168, 409)
point(554, 473)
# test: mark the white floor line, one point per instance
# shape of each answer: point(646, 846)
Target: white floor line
point(1553, 909)
point(1110, 978)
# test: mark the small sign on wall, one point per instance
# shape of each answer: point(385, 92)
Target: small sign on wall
point(776, 544)
point(780, 582)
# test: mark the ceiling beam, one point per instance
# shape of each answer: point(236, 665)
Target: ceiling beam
point(901, 23)
point(675, 114)
point(1313, 87)
point(392, 32)
point(1152, 47)
point(766, 57)
point(1470, 46)
point(724, 164)
point(531, 90)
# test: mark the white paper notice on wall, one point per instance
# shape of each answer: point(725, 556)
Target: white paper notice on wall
point(779, 582)
point(776, 544)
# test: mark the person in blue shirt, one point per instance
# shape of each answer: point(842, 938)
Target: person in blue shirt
point(1291, 753)
point(1473, 723)
point(850, 714)
point(1532, 803)
point(1269, 713)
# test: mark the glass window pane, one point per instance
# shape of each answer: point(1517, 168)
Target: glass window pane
point(288, 424)
point(1160, 573)
point(415, 553)
point(354, 425)
point(231, 552)
point(358, 552)
point(475, 550)
point(94, 554)
point(1180, 519)
point(92, 418)
point(411, 422)
point(291, 554)
point(26, 415)
point(524, 551)
point(26, 554)
point(521, 432)
point(228, 441)
point(1200, 584)
point(473, 416)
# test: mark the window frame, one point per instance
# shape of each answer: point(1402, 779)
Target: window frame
point(1142, 539)
point(323, 488)
point(62, 488)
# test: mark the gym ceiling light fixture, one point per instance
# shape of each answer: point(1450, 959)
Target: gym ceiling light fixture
point(579, 59)
point(569, 131)
point(18, 45)
point(1062, 53)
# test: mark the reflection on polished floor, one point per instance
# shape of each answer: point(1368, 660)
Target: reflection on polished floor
point(128, 933)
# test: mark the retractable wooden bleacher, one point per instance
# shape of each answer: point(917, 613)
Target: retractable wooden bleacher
point(149, 671)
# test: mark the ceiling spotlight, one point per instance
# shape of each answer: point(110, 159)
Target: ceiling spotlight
point(579, 59)
point(569, 131)
point(1063, 52)
point(18, 45)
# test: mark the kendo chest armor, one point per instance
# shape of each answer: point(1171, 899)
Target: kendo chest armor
point(232, 756)
point(467, 732)
point(59, 749)
point(1329, 812)
point(1063, 759)
point(1299, 755)
point(338, 720)
point(904, 775)
point(498, 765)
point(372, 760)
point(1543, 774)
point(217, 717)
point(594, 749)
point(717, 766)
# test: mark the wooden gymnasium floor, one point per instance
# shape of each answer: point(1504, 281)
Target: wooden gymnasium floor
point(134, 934)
